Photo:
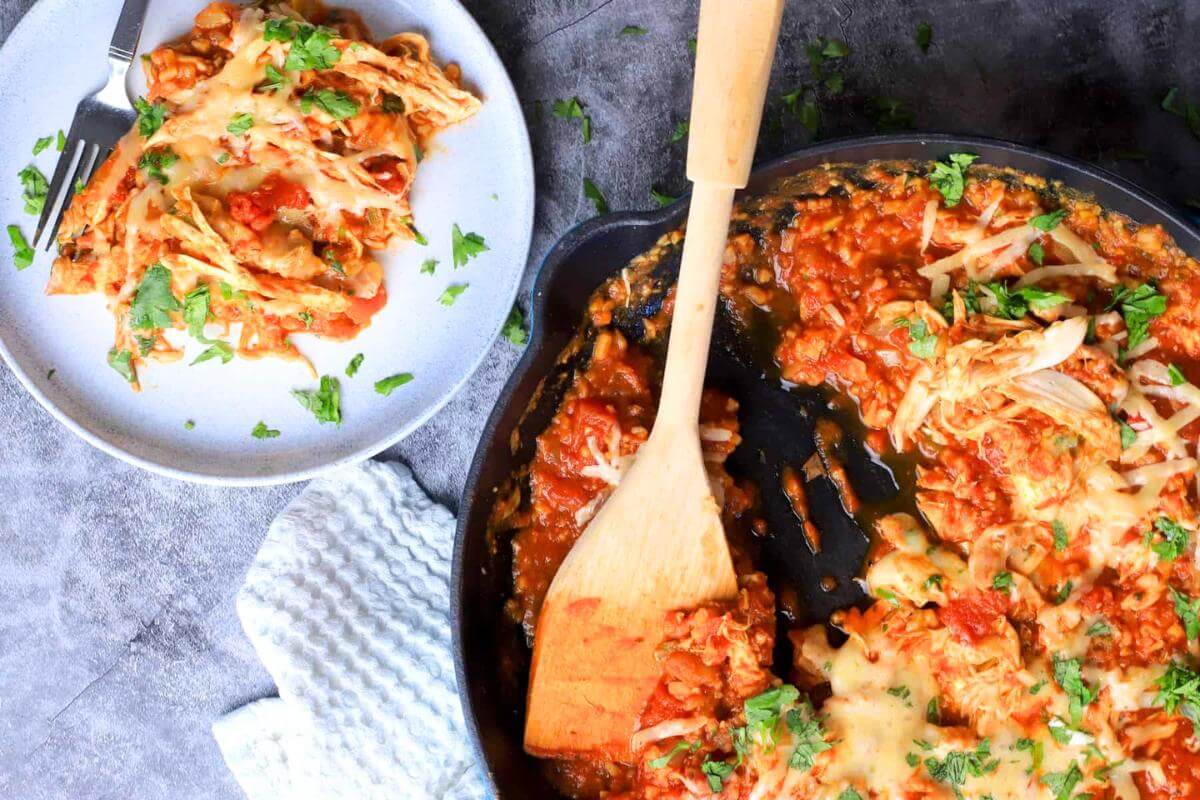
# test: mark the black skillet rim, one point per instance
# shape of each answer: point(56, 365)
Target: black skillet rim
point(1064, 168)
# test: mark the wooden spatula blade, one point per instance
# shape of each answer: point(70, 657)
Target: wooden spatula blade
point(594, 664)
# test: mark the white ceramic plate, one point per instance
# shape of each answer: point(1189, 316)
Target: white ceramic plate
point(478, 174)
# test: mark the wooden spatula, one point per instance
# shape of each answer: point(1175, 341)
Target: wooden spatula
point(658, 544)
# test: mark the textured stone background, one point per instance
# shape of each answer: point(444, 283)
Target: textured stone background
point(118, 638)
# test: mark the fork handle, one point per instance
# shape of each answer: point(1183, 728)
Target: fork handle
point(128, 31)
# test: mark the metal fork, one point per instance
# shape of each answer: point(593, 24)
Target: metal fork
point(101, 119)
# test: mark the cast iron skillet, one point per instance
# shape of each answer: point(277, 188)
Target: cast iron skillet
point(776, 425)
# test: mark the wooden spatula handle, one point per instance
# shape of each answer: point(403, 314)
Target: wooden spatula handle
point(735, 48)
point(735, 45)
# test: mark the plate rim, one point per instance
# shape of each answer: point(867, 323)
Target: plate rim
point(276, 477)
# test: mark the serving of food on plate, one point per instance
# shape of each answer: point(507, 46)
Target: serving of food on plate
point(272, 155)
point(1022, 361)
point(284, 174)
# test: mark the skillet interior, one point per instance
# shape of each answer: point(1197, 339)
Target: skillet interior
point(773, 420)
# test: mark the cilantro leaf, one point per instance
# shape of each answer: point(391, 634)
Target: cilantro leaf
point(325, 403)
point(1062, 783)
point(1176, 375)
point(261, 431)
point(22, 252)
point(451, 293)
point(429, 266)
point(921, 343)
point(153, 300)
point(60, 142)
point(465, 246)
point(663, 760)
point(809, 735)
point(312, 48)
point(514, 327)
point(1036, 253)
point(681, 131)
point(633, 30)
point(389, 384)
point(1037, 752)
point(1060, 535)
point(41, 144)
point(189, 425)
point(1099, 628)
point(279, 30)
point(155, 162)
point(122, 362)
point(221, 350)
point(573, 109)
point(1002, 581)
point(661, 198)
point(592, 192)
point(1173, 541)
point(1016, 303)
point(889, 114)
point(1048, 222)
point(764, 710)
point(1138, 306)
point(850, 794)
point(716, 772)
point(949, 179)
point(1188, 611)
point(35, 187)
point(924, 36)
point(240, 124)
point(336, 104)
point(958, 765)
point(150, 117)
point(196, 311)
point(276, 80)
point(1128, 434)
point(355, 363)
point(1179, 689)
point(1069, 676)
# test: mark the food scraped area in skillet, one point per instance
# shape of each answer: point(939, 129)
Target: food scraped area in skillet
point(1033, 630)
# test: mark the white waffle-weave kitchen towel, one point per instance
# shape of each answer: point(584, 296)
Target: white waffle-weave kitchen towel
point(347, 605)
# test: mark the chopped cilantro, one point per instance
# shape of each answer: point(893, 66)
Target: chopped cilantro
point(22, 252)
point(934, 581)
point(122, 362)
point(1069, 677)
point(573, 109)
point(451, 293)
point(1037, 687)
point(429, 266)
point(325, 403)
point(933, 711)
point(1036, 253)
point(306, 318)
point(222, 158)
point(35, 187)
point(514, 327)
point(1188, 611)
point(1179, 690)
point(418, 237)
point(276, 80)
point(958, 765)
point(592, 192)
point(355, 363)
point(1002, 581)
point(312, 48)
point(153, 301)
point(661, 198)
point(1048, 222)
point(41, 144)
point(190, 425)
point(1060, 535)
point(850, 794)
point(155, 162)
point(220, 350)
point(835, 83)
point(1138, 306)
point(681, 131)
point(336, 104)
point(889, 114)
point(465, 246)
point(921, 343)
point(240, 124)
point(899, 691)
point(802, 104)
point(924, 36)
point(1064, 593)
point(228, 293)
point(393, 104)
point(1176, 375)
point(680, 747)
point(196, 310)
point(691, 45)
point(950, 179)
point(1015, 303)
point(389, 384)
point(764, 711)
point(261, 431)
point(1174, 539)
point(145, 344)
point(60, 142)
point(1099, 628)
point(716, 772)
point(1037, 751)
point(806, 730)
point(1062, 783)
point(888, 595)
point(150, 117)
point(835, 48)
point(1128, 434)
point(279, 30)
point(633, 30)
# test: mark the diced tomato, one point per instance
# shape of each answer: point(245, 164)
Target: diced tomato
point(256, 209)
point(973, 616)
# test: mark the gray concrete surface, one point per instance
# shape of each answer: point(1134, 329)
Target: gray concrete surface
point(118, 639)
